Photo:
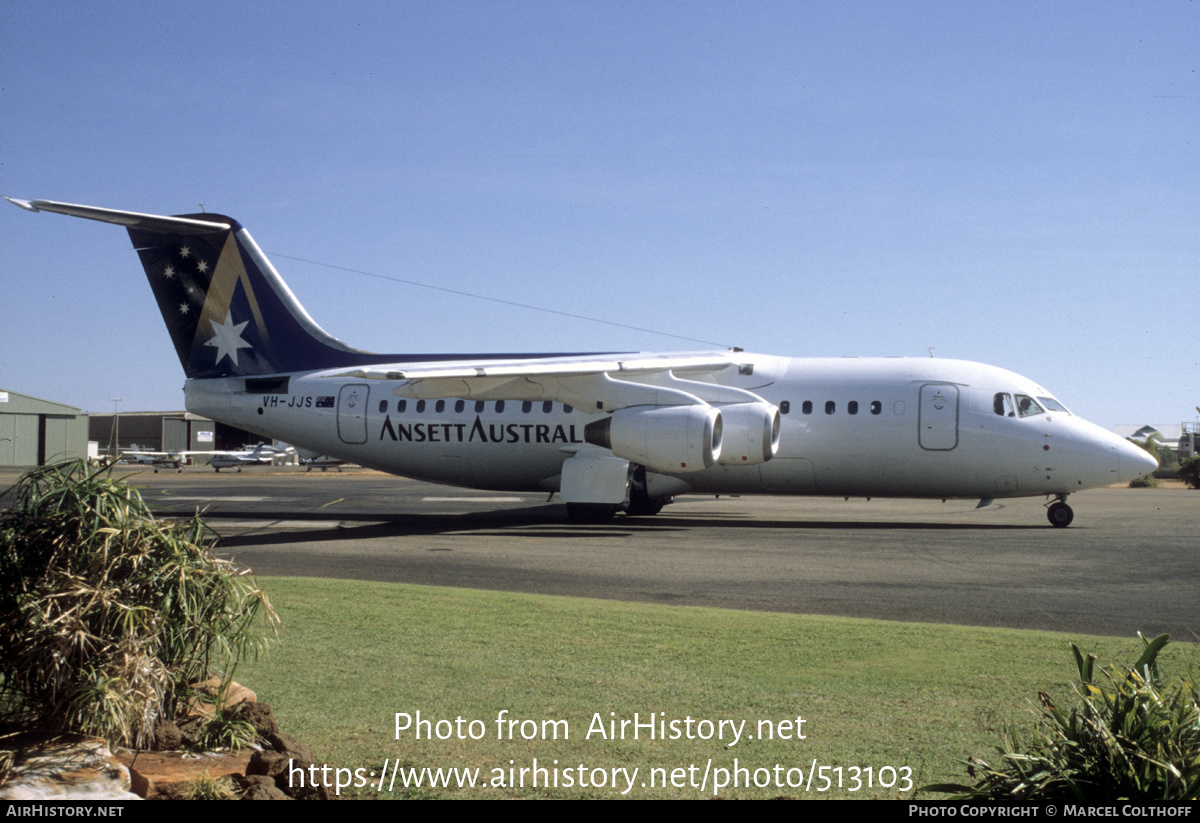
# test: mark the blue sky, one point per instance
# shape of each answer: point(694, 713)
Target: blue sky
point(1011, 183)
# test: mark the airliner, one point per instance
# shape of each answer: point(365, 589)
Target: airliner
point(609, 432)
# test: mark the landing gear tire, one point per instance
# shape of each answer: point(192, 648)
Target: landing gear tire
point(645, 508)
point(640, 503)
point(1060, 515)
point(590, 512)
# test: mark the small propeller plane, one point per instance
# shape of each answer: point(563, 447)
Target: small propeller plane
point(259, 455)
point(158, 460)
point(610, 431)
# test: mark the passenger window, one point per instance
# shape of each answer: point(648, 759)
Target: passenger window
point(830, 407)
point(499, 407)
point(527, 406)
point(1027, 406)
point(876, 407)
point(401, 405)
point(439, 406)
point(547, 406)
point(458, 406)
point(784, 407)
point(852, 407)
point(567, 408)
point(420, 407)
point(807, 407)
point(1002, 405)
point(382, 406)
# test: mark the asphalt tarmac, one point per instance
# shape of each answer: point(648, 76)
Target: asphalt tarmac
point(1129, 563)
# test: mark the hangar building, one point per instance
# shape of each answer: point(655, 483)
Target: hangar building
point(33, 430)
point(165, 432)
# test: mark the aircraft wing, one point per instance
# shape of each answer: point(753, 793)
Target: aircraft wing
point(148, 458)
point(600, 382)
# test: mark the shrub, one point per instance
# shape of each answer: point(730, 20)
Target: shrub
point(207, 787)
point(1189, 472)
point(226, 729)
point(1129, 737)
point(109, 615)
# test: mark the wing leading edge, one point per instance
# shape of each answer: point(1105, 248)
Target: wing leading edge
point(589, 383)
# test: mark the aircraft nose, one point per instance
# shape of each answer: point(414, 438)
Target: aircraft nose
point(1134, 461)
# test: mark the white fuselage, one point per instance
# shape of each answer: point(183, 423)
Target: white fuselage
point(849, 426)
point(647, 425)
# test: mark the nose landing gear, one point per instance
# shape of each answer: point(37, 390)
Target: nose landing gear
point(1059, 513)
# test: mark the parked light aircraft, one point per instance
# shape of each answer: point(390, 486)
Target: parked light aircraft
point(610, 431)
point(312, 460)
point(159, 460)
point(260, 455)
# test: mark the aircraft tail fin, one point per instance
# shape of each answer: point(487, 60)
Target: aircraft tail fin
point(228, 311)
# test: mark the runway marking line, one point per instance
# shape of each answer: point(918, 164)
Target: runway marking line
point(472, 499)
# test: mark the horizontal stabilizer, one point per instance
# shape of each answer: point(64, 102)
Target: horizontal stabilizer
point(129, 219)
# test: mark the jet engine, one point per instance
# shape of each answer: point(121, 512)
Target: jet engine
point(751, 433)
point(664, 438)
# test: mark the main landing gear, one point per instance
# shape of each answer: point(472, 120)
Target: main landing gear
point(641, 504)
point(602, 512)
point(638, 504)
point(1059, 513)
point(590, 512)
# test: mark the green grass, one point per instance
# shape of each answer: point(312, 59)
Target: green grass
point(872, 694)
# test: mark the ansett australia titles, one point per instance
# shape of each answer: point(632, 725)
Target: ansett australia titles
point(602, 726)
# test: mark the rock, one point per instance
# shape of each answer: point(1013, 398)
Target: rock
point(233, 694)
point(72, 767)
point(259, 787)
point(65, 767)
point(292, 776)
point(191, 729)
point(167, 737)
point(163, 770)
point(259, 716)
point(291, 747)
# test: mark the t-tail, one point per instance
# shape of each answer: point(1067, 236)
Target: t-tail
point(228, 311)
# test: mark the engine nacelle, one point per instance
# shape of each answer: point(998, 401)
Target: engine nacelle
point(670, 439)
point(751, 433)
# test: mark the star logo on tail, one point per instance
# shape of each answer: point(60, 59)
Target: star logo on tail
point(227, 337)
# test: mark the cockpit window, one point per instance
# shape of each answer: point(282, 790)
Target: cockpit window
point(1027, 406)
point(1053, 405)
point(1002, 405)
